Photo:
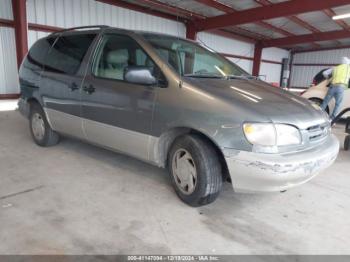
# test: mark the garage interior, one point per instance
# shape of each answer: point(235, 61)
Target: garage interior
point(76, 198)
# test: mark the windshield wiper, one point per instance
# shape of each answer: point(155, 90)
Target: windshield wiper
point(241, 77)
point(203, 76)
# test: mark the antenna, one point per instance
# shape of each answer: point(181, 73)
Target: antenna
point(178, 37)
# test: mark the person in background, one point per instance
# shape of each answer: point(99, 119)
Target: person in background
point(340, 76)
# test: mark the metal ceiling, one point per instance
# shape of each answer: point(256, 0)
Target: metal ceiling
point(298, 24)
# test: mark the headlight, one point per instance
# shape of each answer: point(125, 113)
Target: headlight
point(287, 135)
point(271, 134)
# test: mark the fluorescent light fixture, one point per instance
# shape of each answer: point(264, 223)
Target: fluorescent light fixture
point(337, 17)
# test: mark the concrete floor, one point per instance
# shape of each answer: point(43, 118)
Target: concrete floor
point(75, 198)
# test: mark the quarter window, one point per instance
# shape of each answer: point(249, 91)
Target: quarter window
point(37, 54)
point(68, 53)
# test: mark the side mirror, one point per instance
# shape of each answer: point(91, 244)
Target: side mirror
point(139, 75)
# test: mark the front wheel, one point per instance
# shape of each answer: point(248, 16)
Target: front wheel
point(195, 170)
point(40, 129)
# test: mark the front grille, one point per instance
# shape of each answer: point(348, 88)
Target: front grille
point(318, 132)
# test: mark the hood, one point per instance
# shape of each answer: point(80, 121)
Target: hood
point(257, 97)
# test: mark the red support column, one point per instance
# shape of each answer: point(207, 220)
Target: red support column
point(257, 59)
point(191, 32)
point(21, 28)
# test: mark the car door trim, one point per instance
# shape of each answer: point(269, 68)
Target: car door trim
point(118, 139)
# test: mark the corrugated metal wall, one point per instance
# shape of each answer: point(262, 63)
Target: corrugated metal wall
point(70, 13)
point(229, 46)
point(302, 75)
point(8, 62)
point(6, 9)
point(272, 72)
point(33, 36)
point(322, 57)
point(8, 59)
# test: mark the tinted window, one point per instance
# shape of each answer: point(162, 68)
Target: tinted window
point(36, 55)
point(116, 53)
point(67, 53)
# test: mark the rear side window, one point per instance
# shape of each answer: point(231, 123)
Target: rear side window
point(36, 55)
point(68, 53)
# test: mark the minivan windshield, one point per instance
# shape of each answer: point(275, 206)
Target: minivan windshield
point(193, 60)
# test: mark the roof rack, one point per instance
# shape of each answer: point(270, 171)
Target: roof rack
point(80, 27)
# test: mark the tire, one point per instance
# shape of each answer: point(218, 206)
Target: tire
point(347, 143)
point(40, 129)
point(199, 157)
point(319, 101)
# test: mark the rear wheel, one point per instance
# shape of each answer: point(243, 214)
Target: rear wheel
point(40, 129)
point(319, 101)
point(195, 170)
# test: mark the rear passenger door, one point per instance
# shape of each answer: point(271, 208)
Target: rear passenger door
point(61, 81)
point(118, 114)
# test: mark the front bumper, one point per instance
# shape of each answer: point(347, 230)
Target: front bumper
point(257, 172)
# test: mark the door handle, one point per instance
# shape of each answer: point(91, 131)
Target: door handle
point(73, 87)
point(89, 89)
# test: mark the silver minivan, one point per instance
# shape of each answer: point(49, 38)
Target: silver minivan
point(175, 104)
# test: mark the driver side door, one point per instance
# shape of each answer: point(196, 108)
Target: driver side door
point(118, 114)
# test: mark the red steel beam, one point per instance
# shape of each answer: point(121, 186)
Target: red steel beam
point(330, 13)
point(142, 9)
point(158, 5)
point(303, 24)
point(161, 9)
point(9, 96)
point(274, 28)
point(229, 34)
point(6, 23)
point(217, 5)
point(257, 59)
point(191, 32)
point(307, 38)
point(21, 29)
point(281, 9)
point(31, 26)
point(183, 12)
point(44, 28)
point(244, 31)
point(293, 18)
point(229, 10)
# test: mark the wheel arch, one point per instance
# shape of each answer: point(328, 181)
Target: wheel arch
point(166, 140)
point(32, 101)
